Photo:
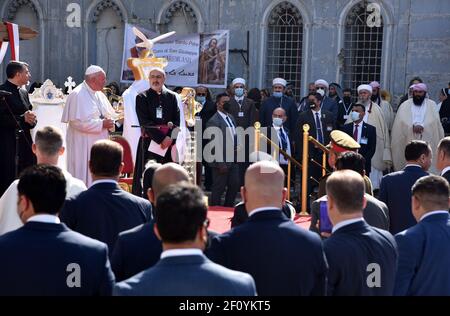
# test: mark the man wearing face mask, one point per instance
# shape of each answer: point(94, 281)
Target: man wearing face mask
point(284, 139)
point(363, 133)
point(385, 106)
point(244, 111)
point(278, 99)
point(328, 104)
point(416, 120)
point(303, 104)
point(344, 107)
point(225, 171)
point(382, 159)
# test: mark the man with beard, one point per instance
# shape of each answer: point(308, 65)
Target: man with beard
point(328, 104)
point(385, 106)
point(374, 116)
point(416, 120)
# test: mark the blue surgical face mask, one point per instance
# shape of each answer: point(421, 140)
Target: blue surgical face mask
point(239, 92)
point(354, 116)
point(278, 94)
point(277, 121)
point(200, 99)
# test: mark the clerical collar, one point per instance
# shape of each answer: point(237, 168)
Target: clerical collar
point(13, 84)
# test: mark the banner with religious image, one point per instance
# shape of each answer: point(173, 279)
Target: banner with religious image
point(194, 59)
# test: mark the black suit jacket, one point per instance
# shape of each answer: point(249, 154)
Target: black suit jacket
point(307, 117)
point(37, 257)
point(447, 176)
point(103, 211)
point(218, 122)
point(350, 251)
point(249, 111)
point(267, 246)
point(367, 150)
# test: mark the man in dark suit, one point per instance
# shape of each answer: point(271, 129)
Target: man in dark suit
point(375, 213)
point(139, 248)
point(183, 270)
point(443, 158)
point(15, 114)
point(105, 210)
point(244, 112)
point(395, 188)
point(44, 257)
point(225, 171)
point(365, 134)
point(321, 123)
point(278, 99)
point(362, 259)
point(424, 251)
point(268, 243)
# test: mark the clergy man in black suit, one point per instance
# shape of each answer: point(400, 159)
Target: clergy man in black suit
point(362, 259)
point(16, 118)
point(158, 114)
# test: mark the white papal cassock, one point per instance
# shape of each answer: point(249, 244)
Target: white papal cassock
point(84, 113)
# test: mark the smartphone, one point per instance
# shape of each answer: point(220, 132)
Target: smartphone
point(325, 223)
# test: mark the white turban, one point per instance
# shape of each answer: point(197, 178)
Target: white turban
point(158, 69)
point(238, 80)
point(322, 83)
point(280, 81)
point(365, 87)
point(93, 69)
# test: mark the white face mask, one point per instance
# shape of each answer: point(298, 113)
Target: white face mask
point(354, 116)
point(277, 121)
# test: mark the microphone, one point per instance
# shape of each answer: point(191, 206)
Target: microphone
point(4, 93)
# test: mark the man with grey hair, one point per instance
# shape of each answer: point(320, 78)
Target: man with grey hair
point(48, 147)
point(89, 116)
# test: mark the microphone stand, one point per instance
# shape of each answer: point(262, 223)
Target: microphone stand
point(18, 131)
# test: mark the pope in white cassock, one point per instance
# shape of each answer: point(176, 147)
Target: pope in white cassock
point(416, 119)
point(374, 116)
point(89, 116)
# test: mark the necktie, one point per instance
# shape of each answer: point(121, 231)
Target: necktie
point(355, 133)
point(319, 129)
point(233, 132)
point(283, 140)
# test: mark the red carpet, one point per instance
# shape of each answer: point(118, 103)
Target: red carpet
point(220, 219)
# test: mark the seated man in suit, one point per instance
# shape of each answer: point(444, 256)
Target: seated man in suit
point(375, 213)
point(44, 257)
point(443, 158)
point(105, 210)
point(183, 270)
point(268, 245)
point(424, 249)
point(363, 133)
point(138, 248)
point(395, 188)
point(225, 170)
point(362, 259)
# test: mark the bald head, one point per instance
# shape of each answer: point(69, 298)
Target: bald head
point(168, 174)
point(264, 185)
point(346, 189)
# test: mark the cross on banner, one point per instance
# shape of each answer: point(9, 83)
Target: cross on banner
point(70, 84)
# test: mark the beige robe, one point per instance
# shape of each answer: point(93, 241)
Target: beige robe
point(82, 112)
point(402, 132)
point(388, 113)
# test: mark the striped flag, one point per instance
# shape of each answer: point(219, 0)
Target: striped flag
point(13, 35)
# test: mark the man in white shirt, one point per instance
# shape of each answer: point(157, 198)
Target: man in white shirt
point(48, 147)
point(354, 248)
point(183, 270)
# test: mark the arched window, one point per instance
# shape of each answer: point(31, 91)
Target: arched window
point(24, 13)
point(109, 27)
point(179, 17)
point(284, 45)
point(362, 47)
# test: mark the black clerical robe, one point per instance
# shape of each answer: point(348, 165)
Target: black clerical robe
point(154, 112)
point(12, 109)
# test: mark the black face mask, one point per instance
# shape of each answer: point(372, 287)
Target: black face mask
point(374, 97)
point(418, 100)
point(226, 107)
point(347, 100)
